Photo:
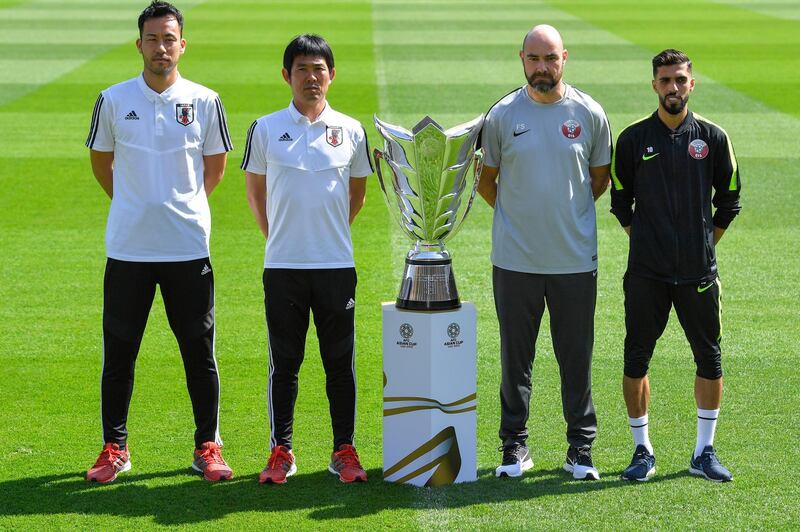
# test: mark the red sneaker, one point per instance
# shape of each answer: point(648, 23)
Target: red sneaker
point(112, 460)
point(280, 466)
point(208, 461)
point(344, 463)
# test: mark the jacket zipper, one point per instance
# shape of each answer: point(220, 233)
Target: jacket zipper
point(674, 180)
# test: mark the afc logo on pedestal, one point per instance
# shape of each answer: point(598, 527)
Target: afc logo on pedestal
point(453, 331)
point(406, 333)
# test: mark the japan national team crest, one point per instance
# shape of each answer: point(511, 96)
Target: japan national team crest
point(184, 113)
point(571, 129)
point(698, 149)
point(333, 134)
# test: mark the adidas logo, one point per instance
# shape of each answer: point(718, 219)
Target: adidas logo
point(132, 116)
point(206, 269)
point(285, 138)
point(350, 304)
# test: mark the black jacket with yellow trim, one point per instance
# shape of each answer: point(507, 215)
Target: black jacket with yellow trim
point(663, 183)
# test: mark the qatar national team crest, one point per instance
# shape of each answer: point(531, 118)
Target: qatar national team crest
point(184, 113)
point(333, 134)
point(571, 129)
point(698, 149)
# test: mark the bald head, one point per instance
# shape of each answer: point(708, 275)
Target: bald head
point(543, 35)
point(543, 57)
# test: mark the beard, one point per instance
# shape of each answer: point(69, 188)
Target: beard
point(542, 83)
point(674, 108)
point(159, 68)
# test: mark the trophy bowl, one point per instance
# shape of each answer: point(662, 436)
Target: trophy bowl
point(429, 189)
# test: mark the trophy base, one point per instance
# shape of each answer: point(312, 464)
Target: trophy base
point(428, 284)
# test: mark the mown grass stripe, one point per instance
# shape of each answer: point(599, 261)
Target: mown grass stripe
point(59, 37)
point(730, 49)
point(783, 9)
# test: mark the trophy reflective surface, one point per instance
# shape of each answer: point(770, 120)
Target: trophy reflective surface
point(429, 189)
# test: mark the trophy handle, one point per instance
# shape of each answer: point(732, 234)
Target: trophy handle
point(469, 199)
point(478, 158)
point(379, 156)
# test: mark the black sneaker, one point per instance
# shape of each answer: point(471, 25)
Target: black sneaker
point(707, 465)
point(643, 465)
point(516, 459)
point(579, 463)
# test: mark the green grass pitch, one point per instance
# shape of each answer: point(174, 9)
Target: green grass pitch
point(402, 59)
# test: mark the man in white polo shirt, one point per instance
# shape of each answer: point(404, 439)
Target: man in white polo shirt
point(306, 167)
point(158, 146)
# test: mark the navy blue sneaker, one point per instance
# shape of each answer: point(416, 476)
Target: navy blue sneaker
point(643, 465)
point(707, 465)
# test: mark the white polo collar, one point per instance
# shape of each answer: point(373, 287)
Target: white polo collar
point(154, 96)
point(300, 118)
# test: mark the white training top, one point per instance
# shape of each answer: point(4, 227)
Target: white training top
point(544, 216)
point(308, 167)
point(159, 212)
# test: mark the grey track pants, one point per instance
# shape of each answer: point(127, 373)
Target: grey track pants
point(520, 300)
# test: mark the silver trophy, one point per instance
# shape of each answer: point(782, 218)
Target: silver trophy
point(430, 170)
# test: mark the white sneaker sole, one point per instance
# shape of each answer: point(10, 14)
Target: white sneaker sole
point(513, 470)
point(582, 472)
point(701, 473)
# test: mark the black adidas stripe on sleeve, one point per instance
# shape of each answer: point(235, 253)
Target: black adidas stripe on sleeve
point(248, 145)
point(95, 120)
point(223, 125)
point(369, 154)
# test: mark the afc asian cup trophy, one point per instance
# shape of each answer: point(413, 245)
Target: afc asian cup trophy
point(429, 189)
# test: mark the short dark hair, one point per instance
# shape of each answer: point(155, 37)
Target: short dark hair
point(158, 9)
point(307, 44)
point(670, 56)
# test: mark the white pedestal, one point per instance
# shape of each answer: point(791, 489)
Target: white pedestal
point(429, 396)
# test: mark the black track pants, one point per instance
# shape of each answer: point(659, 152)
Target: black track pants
point(289, 295)
point(698, 307)
point(187, 288)
point(520, 299)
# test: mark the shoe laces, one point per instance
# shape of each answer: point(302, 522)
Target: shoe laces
point(584, 451)
point(512, 451)
point(212, 455)
point(348, 456)
point(278, 457)
point(710, 458)
point(108, 455)
point(641, 454)
point(583, 455)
